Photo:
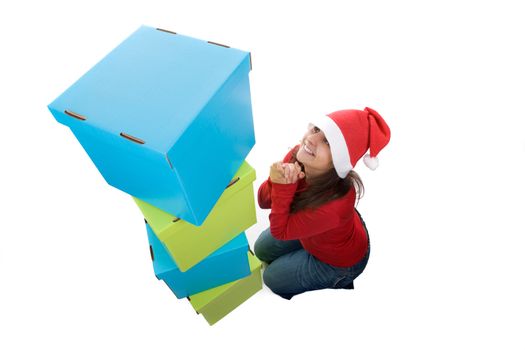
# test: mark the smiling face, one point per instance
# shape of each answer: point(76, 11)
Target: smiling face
point(314, 152)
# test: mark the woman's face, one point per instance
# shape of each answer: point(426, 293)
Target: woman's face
point(314, 152)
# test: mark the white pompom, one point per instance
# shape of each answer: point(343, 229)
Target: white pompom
point(371, 162)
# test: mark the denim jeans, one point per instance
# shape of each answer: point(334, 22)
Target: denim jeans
point(292, 270)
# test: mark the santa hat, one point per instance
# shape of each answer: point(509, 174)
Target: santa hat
point(351, 133)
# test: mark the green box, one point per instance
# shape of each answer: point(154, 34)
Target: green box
point(188, 244)
point(217, 302)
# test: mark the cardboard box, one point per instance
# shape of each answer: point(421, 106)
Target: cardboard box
point(159, 114)
point(228, 263)
point(216, 303)
point(188, 244)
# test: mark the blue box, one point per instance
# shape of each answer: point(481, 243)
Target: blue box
point(166, 118)
point(227, 264)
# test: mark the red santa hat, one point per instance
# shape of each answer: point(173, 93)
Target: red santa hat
point(351, 133)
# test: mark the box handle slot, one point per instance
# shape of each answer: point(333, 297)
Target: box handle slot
point(233, 182)
point(166, 31)
point(75, 115)
point(214, 43)
point(151, 253)
point(169, 162)
point(132, 138)
point(176, 219)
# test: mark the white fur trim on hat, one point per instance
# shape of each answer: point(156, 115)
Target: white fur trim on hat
point(371, 162)
point(338, 147)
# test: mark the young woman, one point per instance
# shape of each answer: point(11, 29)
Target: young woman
point(316, 238)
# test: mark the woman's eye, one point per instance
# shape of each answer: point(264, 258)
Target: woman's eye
point(326, 141)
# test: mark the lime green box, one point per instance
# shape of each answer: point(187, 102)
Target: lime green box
point(217, 302)
point(188, 244)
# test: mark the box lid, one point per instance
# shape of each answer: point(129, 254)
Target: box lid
point(200, 300)
point(133, 91)
point(160, 220)
point(162, 261)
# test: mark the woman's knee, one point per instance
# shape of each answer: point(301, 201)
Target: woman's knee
point(260, 248)
point(272, 279)
point(280, 283)
point(267, 248)
point(275, 286)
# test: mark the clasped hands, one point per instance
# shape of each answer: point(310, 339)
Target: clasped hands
point(286, 173)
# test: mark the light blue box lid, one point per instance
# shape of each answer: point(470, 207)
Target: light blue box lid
point(133, 89)
point(162, 261)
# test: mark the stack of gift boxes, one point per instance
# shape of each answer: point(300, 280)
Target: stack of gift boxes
point(167, 119)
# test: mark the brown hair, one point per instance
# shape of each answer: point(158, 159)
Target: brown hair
point(325, 188)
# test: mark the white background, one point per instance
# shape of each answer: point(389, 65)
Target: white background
point(444, 209)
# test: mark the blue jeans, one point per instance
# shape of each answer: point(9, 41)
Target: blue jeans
point(292, 270)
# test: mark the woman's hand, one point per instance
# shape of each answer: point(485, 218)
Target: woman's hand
point(277, 173)
point(285, 173)
point(293, 172)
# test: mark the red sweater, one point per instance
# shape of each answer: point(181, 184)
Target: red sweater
point(333, 232)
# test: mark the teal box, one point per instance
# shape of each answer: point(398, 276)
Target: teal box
point(228, 263)
point(166, 118)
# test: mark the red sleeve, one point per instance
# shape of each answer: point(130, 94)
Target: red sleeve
point(264, 194)
point(302, 224)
